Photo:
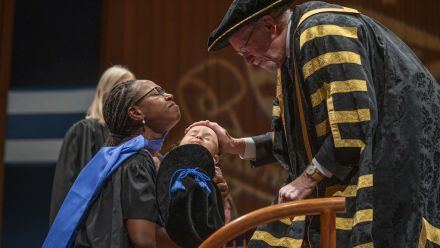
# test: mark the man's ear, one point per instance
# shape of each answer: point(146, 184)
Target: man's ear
point(135, 113)
point(269, 24)
point(216, 158)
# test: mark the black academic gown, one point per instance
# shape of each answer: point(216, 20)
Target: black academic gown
point(130, 193)
point(353, 96)
point(81, 142)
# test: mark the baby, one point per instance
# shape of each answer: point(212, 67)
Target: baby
point(206, 137)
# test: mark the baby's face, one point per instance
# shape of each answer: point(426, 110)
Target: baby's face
point(204, 136)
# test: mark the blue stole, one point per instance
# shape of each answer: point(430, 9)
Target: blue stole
point(86, 187)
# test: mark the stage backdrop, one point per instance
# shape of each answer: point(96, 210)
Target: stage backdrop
point(53, 52)
point(165, 41)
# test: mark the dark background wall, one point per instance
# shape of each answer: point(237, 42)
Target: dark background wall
point(55, 48)
point(59, 48)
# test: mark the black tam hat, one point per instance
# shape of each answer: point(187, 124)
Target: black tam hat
point(240, 12)
point(190, 204)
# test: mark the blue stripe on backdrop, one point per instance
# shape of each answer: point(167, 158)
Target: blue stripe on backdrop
point(40, 126)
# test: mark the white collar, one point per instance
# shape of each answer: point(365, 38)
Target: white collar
point(289, 26)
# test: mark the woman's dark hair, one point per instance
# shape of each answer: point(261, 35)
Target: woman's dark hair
point(115, 112)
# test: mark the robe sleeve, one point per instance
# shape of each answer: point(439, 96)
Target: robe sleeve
point(336, 75)
point(138, 193)
point(264, 154)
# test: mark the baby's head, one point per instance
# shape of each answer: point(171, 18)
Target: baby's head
point(204, 136)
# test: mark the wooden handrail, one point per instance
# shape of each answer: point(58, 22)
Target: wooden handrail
point(326, 207)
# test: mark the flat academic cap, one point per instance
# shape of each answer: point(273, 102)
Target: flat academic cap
point(190, 204)
point(240, 12)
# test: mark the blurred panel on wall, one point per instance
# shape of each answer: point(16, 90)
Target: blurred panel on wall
point(54, 70)
point(165, 41)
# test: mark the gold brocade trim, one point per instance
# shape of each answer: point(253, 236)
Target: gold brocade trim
point(331, 58)
point(279, 90)
point(345, 224)
point(276, 111)
point(350, 143)
point(432, 232)
point(349, 191)
point(347, 86)
point(241, 22)
point(360, 216)
point(299, 218)
point(337, 87)
point(331, 190)
point(322, 128)
point(319, 95)
point(326, 30)
point(317, 11)
point(273, 241)
point(286, 221)
point(422, 237)
point(289, 221)
point(353, 116)
point(429, 232)
point(366, 245)
point(339, 142)
point(364, 181)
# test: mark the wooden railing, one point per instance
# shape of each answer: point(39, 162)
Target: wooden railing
point(325, 207)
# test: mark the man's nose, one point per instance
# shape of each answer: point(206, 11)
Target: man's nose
point(168, 96)
point(248, 58)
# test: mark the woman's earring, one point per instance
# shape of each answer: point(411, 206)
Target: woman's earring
point(143, 122)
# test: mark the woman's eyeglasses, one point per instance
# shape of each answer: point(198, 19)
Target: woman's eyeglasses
point(156, 91)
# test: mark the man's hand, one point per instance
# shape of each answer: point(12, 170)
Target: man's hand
point(228, 143)
point(298, 189)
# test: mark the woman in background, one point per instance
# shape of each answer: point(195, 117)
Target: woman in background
point(83, 140)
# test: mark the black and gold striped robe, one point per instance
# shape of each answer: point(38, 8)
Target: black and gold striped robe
point(353, 96)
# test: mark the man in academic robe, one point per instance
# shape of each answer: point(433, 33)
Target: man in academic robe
point(356, 114)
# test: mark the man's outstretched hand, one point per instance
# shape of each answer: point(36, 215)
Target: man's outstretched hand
point(228, 143)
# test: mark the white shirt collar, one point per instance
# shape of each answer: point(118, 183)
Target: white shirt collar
point(289, 26)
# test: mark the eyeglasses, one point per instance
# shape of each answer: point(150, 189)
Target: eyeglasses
point(156, 91)
point(244, 50)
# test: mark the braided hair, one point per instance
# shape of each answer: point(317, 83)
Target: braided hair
point(115, 112)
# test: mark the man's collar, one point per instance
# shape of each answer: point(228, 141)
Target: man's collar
point(289, 26)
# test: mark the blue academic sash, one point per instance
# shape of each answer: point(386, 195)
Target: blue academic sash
point(86, 187)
